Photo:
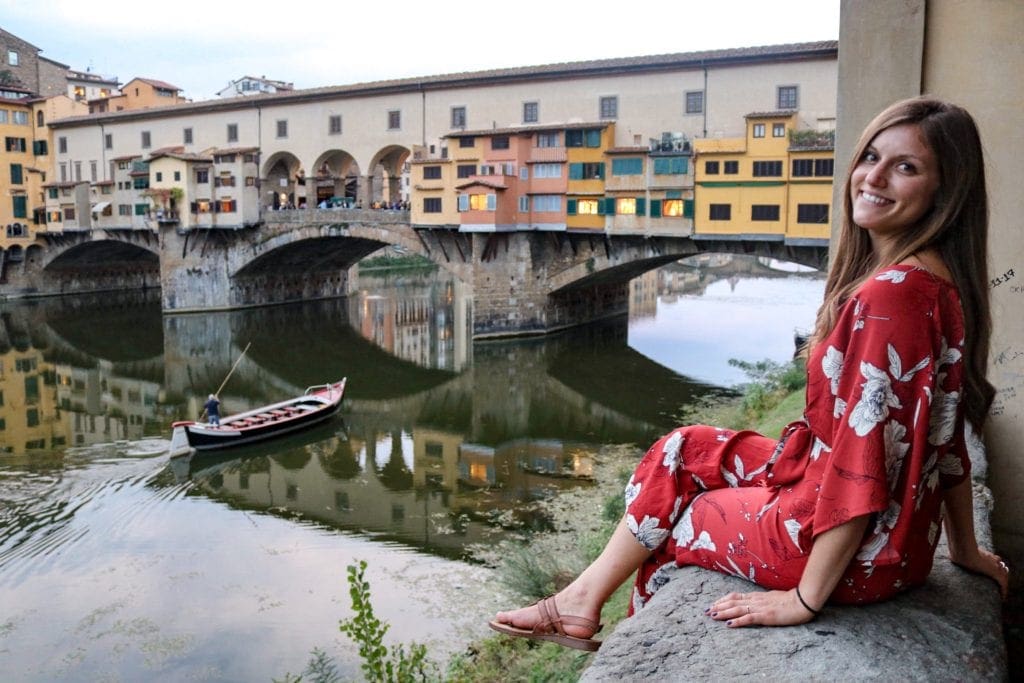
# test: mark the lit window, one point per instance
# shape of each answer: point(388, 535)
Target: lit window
point(587, 207)
point(625, 205)
point(672, 207)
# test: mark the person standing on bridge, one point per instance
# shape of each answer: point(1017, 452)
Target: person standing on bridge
point(846, 506)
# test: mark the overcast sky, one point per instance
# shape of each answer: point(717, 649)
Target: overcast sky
point(201, 45)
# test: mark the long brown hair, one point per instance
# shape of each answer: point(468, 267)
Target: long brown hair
point(956, 227)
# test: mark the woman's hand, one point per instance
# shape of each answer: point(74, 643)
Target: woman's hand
point(763, 608)
point(980, 561)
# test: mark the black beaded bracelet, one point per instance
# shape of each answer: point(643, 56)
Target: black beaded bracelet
point(810, 609)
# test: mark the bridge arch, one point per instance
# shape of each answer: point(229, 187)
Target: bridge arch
point(385, 172)
point(284, 181)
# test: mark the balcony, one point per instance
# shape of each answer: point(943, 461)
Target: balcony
point(811, 140)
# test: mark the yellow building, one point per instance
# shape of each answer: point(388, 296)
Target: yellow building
point(17, 159)
point(774, 184)
point(28, 408)
point(584, 151)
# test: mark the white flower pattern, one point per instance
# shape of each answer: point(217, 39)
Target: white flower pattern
point(875, 400)
point(648, 532)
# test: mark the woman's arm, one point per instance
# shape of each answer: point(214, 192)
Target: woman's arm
point(963, 545)
point(830, 555)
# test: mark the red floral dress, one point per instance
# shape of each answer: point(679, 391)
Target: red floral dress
point(882, 435)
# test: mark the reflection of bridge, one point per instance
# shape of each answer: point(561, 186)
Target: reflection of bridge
point(523, 282)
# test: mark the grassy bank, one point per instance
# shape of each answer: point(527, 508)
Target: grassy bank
point(399, 262)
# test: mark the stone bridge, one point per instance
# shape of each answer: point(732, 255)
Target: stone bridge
point(522, 282)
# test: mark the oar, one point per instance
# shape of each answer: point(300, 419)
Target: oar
point(230, 372)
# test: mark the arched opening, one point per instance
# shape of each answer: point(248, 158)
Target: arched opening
point(387, 181)
point(284, 183)
point(335, 180)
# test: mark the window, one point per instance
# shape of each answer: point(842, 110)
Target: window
point(720, 212)
point(69, 213)
point(19, 206)
point(232, 132)
point(803, 168)
point(547, 202)
point(625, 206)
point(695, 102)
point(19, 118)
point(812, 213)
point(202, 176)
point(226, 205)
point(16, 174)
point(431, 172)
point(145, 139)
point(3, 115)
point(334, 124)
point(458, 117)
point(547, 170)
point(670, 165)
point(478, 202)
point(627, 166)
point(583, 138)
point(711, 167)
point(767, 168)
point(282, 128)
point(431, 205)
point(159, 176)
point(177, 175)
point(63, 172)
point(788, 97)
point(92, 171)
point(530, 114)
point(672, 208)
point(186, 136)
point(778, 130)
point(394, 119)
point(499, 142)
point(108, 141)
point(124, 209)
point(12, 58)
point(586, 171)
point(587, 207)
point(731, 167)
point(609, 107)
point(62, 145)
point(764, 212)
point(758, 130)
point(467, 142)
point(465, 170)
point(823, 167)
point(549, 140)
point(39, 118)
point(78, 171)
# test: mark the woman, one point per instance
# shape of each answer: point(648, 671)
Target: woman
point(845, 507)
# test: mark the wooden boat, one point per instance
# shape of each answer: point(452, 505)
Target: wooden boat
point(316, 404)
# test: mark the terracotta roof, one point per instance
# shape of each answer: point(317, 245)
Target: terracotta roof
point(163, 85)
point(127, 157)
point(181, 156)
point(519, 130)
point(232, 150)
point(70, 183)
point(781, 114)
point(434, 162)
point(481, 181)
point(103, 182)
point(826, 49)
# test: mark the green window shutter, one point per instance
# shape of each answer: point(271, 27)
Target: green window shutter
point(600, 171)
point(593, 138)
point(600, 207)
point(575, 171)
point(16, 174)
point(140, 209)
point(661, 166)
point(609, 206)
point(655, 208)
point(678, 165)
point(570, 207)
point(687, 208)
point(53, 193)
point(19, 205)
point(641, 206)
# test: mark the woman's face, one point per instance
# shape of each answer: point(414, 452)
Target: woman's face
point(894, 183)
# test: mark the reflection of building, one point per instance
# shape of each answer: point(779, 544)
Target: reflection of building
point(28, 410)
point(422, 322)
point(643, 295)
point(100, 407)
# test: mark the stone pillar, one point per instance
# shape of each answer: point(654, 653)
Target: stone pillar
point(364, 191)
point(191, 278)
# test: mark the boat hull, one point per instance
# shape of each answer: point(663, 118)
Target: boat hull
point(268, 422)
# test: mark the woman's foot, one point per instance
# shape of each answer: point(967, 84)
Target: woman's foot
point(557, 619)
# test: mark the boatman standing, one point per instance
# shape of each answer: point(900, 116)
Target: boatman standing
point(212, 408)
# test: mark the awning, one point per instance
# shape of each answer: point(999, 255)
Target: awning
point(99, 206)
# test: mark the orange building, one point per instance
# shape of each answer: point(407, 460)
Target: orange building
point(139, 93)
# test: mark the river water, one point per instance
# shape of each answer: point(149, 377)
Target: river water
point(117, 564)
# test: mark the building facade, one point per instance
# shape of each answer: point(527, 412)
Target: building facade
point(251, 85)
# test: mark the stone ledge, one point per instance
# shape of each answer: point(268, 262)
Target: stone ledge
point(948, 629)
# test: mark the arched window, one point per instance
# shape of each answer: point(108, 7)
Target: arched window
point(39, 118)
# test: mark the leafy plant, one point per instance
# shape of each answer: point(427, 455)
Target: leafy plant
point(367, 631)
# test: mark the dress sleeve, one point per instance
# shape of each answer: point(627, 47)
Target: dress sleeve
point(896, 386)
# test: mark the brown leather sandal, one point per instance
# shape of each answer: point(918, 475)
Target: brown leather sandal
point(550, 628)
